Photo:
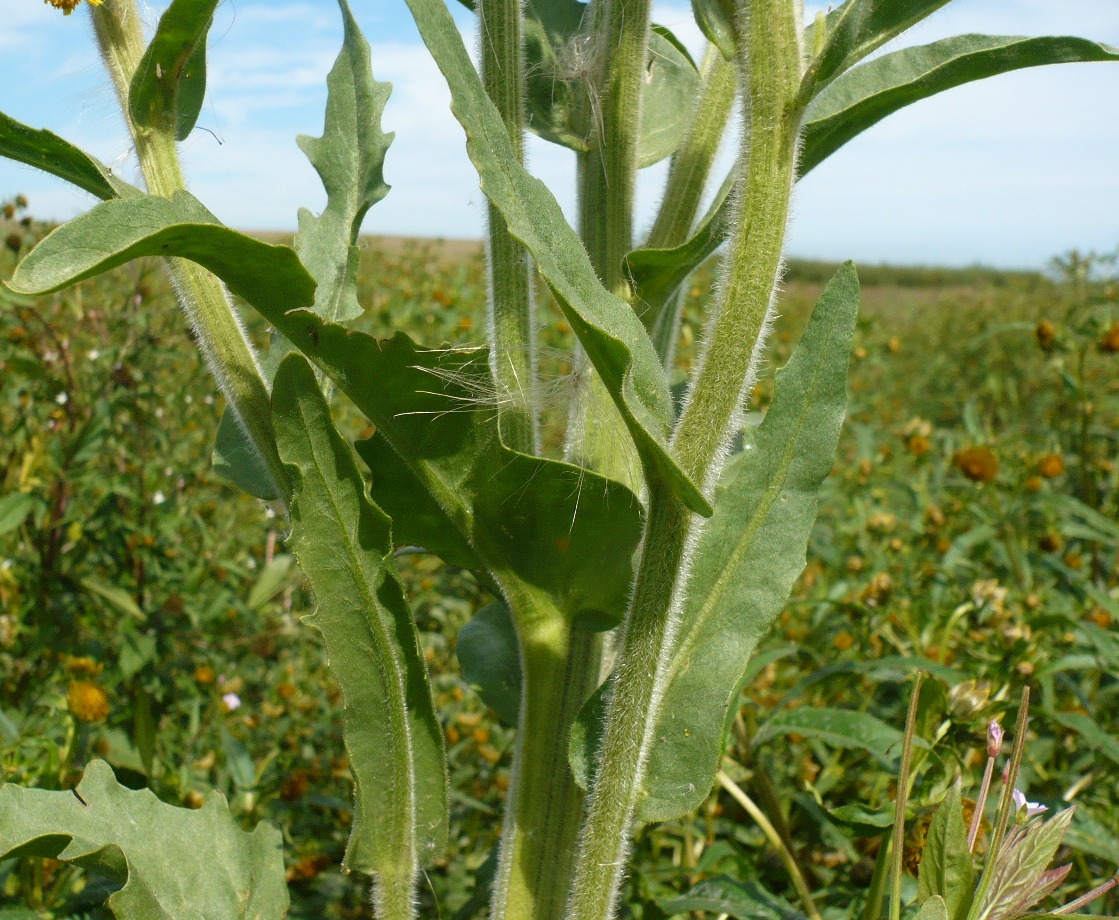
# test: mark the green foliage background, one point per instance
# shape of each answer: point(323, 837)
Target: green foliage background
point(125, 562)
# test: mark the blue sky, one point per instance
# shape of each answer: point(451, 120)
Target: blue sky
point(1008, 172)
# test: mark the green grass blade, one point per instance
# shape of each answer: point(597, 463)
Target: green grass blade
point(750, 553)
point(343, 543)
point(169, 86)
point(864, 96)
point(349, 158)
point(174, 862)
point(609, 330)
point(47, 151)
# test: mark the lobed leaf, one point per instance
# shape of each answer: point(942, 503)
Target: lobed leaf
point(50, 153)
point(174, 862)
point(343, 543)
point(865, 95)
point(609, 330)
point(169, 84)
point(350, 159)
point(749, 555)
point(946, 870)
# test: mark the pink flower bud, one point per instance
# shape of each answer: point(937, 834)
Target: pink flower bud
point(994, 738)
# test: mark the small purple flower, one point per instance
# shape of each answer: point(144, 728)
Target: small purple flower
point(1032, 808)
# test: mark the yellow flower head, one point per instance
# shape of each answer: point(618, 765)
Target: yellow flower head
point(88, 702)
point(68, 6)
point(83, 666)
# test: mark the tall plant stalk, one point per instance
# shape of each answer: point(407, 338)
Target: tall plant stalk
point(769, 69)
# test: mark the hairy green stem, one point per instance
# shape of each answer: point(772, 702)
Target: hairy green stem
point(510, 315)
point(561, 669)
point(687, 179)
point(607, 181)
point(770, 69)
point(897, 859)
point(228, 352)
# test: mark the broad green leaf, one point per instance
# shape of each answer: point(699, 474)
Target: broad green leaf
point(609, 330)
point(859, 27)
point(174, 862)
point(946, 869)
point(1090, 731)
point(169, 85)
point(865, 95)
point(561, 104)
point(749, 555)
point(238, 761)
point(14, 508)
point(349, 158)
point(489, 655)
point(857, 100)
point(933, 909)
point(117, 598)
point(840, 728)
point(440, 471)
point(1093, 836)
point(114, 232)
point(343, 543)
point(749, 901)
point(52, 154)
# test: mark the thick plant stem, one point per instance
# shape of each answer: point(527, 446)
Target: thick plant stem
point(561, 668)
point(227, 350)
point(683, 191)
point(510, 315)
point(606, 186)
point(770, 71)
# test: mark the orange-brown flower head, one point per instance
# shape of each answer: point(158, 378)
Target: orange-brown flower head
point(1109, 341)
point(1046, 334)
point(87, 701)
point(917, 445)
point(979, 464)
point(1051, 466)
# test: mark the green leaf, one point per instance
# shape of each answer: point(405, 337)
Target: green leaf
point(175, 862)
point(234, 459)
point(344, 545)
point(1019, 876)
point(561, 103)
point(273, 579)
point(715, 19)
point(117, 231)
point(609, 330)
point(238, 762)
point(748, 901)
point(1090, 731)
point(865, 95)
point(117, 598)
point(946, 871)
point(349, 158)
point(749, 555)
point(858, 28)
point(14, 508)
point(169, 85)
point(933, 909)
point(52, 154)
point(840, 728)
point(851, 104)
point(488, 652)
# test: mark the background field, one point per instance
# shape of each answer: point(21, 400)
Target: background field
point(150, 616)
